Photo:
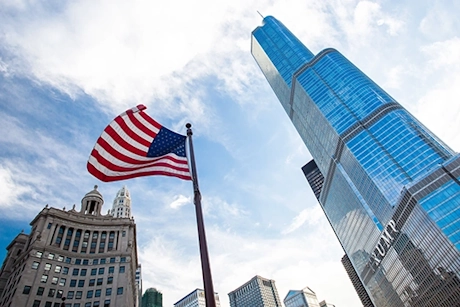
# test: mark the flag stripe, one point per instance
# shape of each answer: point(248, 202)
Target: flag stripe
point(148, 131)
point(106, 159)
point(100, 173)
point(131, 131)
point(121, 150)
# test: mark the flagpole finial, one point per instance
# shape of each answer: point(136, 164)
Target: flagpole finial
point(188, 125)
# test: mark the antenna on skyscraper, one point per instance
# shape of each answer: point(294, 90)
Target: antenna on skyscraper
point(260, 14)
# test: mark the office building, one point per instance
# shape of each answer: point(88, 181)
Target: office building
point(357, 284)
point(83, 256)
point(152, 298)
point(388, 186)
point(195, 299)
point(301, 298)
point(258, 292)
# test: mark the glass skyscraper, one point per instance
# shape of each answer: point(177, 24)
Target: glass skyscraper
point(388, 186)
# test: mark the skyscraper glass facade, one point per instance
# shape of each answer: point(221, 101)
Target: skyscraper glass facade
point(388, 186)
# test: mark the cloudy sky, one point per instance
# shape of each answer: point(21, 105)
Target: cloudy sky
point(68, 67)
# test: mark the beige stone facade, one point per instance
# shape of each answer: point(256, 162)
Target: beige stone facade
point(86, 257)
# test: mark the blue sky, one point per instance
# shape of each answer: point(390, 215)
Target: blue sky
point(67, 70)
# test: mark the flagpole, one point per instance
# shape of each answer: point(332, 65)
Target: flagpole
point(205, 266)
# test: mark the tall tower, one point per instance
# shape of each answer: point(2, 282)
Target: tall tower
point(83, 256)
point(122, 204)
point(301, 298)
point(388, 186)
point(258, 291)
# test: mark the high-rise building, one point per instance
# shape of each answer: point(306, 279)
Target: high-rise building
point(152, 298)
point(388, 186)
point(195, 298)
point(357, 284)
point(301, 298)
point(258, 292)
point(83, 256)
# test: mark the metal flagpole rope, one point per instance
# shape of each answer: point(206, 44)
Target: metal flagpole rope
point(205, 266)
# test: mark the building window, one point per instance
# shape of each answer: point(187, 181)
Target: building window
point(51, 256)
point(96, 304)
point(51, 292)
point(101, 271)
point(49, 225)
point(60, 258)
point(93, 272)
point(70, 295)
point(75, 272)
point(47, 266)
point(123, 259)
point(88, 305)
point(62, 282)
point(40, 291)
point(110, 280)
point(108, 292)
point(89, 294)
point(99, 281)
point(48, 304)
point(59, 294)
point(92, 282)
point(85, 261)
point(36, 303)
point(39, 254)
point(112, 260)
point(107, 303)
point(65, 271)
point(122, 269)
point(95, 261)
point(68, 259)
point(73, 282)
point(111, 269)
point(81, 283)
point(54, 280)
point(78, 294)
point(77, 261)
point(57, 269)
point(76, 305)
point(120, 291)
point(26, 290)
point(83, 272)
point(44, 278)
point(35, 265)
point(103, 261)
point(123, 234)
point(97, 293)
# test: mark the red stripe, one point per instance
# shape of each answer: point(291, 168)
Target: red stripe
point(96, 173)
point(133, 135)
point(141, 126)
point(150, 120)
point(117, 138)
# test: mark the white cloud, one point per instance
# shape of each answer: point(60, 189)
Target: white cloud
point(9, 189)
point(179, 201)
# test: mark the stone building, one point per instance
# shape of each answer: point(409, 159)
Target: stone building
point(82, 258)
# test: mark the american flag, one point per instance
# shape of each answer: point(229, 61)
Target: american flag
point(135, 145)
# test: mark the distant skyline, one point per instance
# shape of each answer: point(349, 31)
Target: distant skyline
point(66, 70)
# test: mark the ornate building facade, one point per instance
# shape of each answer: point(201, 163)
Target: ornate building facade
point(79, 258)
